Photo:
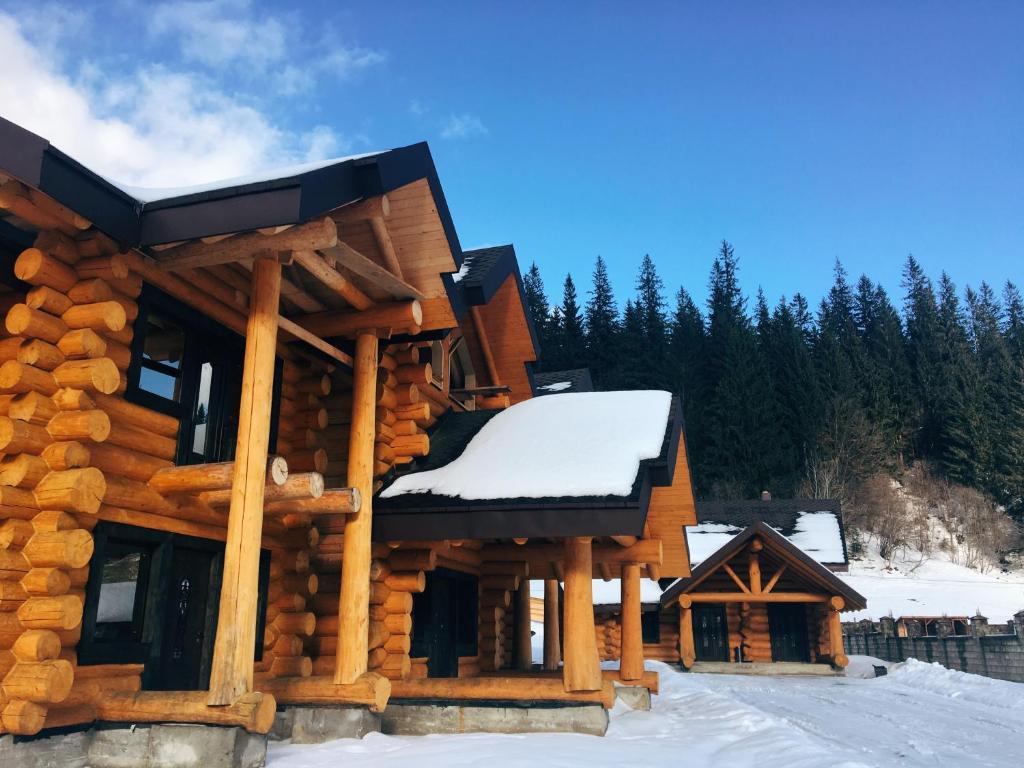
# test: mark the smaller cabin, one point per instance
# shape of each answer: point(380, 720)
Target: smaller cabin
point(760, 598)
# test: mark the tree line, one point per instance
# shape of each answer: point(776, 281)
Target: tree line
point(811, 402)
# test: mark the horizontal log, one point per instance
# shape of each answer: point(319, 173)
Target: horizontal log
point(253, 711)
point(59, 549)
point(397, 316)
point(372, 690)
point(42, 682)
point(113, 460)
point(333, 501)
point(195, 478)
point(62, 612)
point(136, 415)
point(500, 688)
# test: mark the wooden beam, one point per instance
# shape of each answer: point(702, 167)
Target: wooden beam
point(732, 574)
point(631, 663)
point(367, 208)
point(582, 668)
point(510, 687)
point(384, 245)
point(763, 597)
point(354, 599)
point(232, 669)
point(397, 316)
point(485, 345)
point(552, 647)
point(754, 570)
point(315, 264)
point(643, 551)
point(371, 271)
point(687, 649)
point(624, 541)
point(524, 633)
point(775, 578)
point(296, 331)
point(312, 236)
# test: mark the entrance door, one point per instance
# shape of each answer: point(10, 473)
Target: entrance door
point(710, 632)
point(189, 622)
point(444, 621)
point(787, 624)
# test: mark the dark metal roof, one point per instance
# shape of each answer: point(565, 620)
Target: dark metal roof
point(430, 516)
point(772, 540)
point(780, 514)
point(579, 380)
point(290, 199)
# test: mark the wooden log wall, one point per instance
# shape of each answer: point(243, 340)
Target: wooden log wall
point(289, 621)
point(498, 583)
point(608, 629)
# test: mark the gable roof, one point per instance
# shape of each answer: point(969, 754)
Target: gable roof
point(808, 568)
point(273, 198)
point(553, 382)
point(813, 525)
point(555, 501)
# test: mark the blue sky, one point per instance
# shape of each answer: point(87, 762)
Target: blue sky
point(801, 132)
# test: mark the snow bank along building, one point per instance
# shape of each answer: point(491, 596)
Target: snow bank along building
point(273, 442)
point(763, 590)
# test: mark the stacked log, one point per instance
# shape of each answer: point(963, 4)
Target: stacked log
point(289, 621)
point(54, 365)
point(302, 438)
point(754, 632)
point(609, 638)
point(497, 583)
point(667, 647)
point(403, 576)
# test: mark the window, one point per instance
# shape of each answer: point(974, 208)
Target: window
point(152, 598)
point(650, 627)
point(189, 367)
point(460, 366)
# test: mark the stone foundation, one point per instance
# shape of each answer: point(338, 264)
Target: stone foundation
point(421, 719)
point(634, 696)
point(139, 746)
point(313, 725)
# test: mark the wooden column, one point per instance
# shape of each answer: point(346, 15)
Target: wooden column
point(354, 600)
point(835, 632)
point(687, 651)
point(524, 634)
point(235, 645)
point(582, 668)
point(552, 648)
point(754, 566)
point(631, 664)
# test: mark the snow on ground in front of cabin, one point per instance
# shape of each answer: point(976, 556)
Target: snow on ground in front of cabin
point(573, 444)
point(914, 586)
point(918, 715)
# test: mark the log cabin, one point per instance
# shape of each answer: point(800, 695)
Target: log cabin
point(757, 602)
point(264, 443)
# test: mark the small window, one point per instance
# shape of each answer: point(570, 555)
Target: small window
point(122, 593)
point(163, 351)
point(650, 627)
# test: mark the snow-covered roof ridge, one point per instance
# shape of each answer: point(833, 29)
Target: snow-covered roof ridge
point(562, 445)
point(156, 194)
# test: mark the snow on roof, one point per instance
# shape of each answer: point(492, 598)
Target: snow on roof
point(557, 386)
point(816, 533)
point(575, 444)
point(154, 194)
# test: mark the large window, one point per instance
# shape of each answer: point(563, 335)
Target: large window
point(189, 367)
point(152, 598)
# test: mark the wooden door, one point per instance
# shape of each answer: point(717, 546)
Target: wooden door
point(444, 621)
point(787, 624)
point(189, 621)
point(710, 632)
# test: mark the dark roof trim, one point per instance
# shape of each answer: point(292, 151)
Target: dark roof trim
point(828, 580)
point(287, 200)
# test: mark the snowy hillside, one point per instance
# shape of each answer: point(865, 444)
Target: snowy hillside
point(918, 715)
point(932, 586)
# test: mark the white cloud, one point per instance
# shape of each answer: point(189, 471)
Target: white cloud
point(153, 127)
point(463, 126)
point(230, 33)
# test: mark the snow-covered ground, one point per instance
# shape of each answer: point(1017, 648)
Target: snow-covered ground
point(934, 587)
point(918, 715)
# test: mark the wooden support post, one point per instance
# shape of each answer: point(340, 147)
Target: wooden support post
point(687, 650)
point(582, 668)
point(631, 664)
point(235, 645)
point(354, 601)
point(754, 566)
point(835, 632)
point(524, 635)
point(552, 648)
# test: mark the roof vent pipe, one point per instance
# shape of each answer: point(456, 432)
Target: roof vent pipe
point(766, 496)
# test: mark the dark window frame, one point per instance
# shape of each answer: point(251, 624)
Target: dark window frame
point(650, 627)
point(110, 537)
point(205, 340)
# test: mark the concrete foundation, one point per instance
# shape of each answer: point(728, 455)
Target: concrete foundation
point(139, 746)
point(634, 696)
point(313, 725)
point(421, 719)
point(761, 668)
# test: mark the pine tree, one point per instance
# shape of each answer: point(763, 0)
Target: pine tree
point(924, 345)
point(686, 351)
point(650, 307)
point(570, 340)
point(601, 321)
point(540, 311)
